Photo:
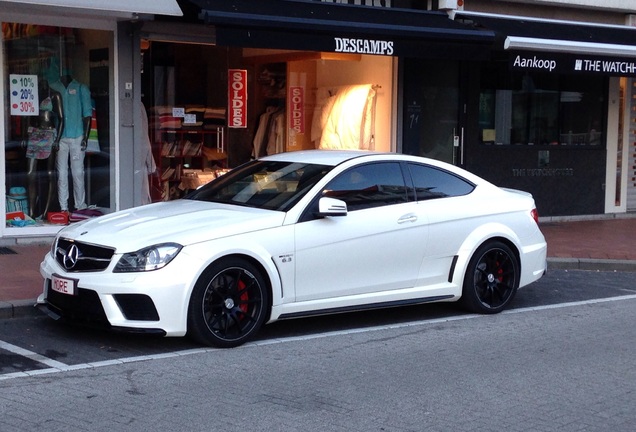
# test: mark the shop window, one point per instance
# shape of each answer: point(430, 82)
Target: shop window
point(57, 133)
point(295, 101)
point(522, 108)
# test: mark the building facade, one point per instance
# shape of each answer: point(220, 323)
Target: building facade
point(555, 102)
point(179, 92)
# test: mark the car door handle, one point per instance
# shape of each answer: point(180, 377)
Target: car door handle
point(407, 218)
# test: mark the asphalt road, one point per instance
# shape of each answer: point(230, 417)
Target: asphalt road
point(560, 359)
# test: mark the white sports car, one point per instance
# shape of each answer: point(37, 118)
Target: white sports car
point(297, 234)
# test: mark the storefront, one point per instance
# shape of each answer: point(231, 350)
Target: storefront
point(552, 117)
point(173, 103)
point(277, 76)
point(60, 112)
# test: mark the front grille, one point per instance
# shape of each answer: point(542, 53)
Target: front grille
point(137, 307)
point(84, 307)
point(82, 257)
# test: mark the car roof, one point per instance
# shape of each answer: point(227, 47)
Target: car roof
point(321, 157)
point(336, 157)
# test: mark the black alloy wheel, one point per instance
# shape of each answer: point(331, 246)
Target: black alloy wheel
point(491, 280)
point(229, 304)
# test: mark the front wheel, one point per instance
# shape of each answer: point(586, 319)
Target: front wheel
point(491, 280)
point(229, 304)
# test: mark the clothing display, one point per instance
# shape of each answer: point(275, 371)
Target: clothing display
point(198, 112)
point(71, 148)
point(214, 117)
point(78, 111)
point(40, 142)
point(92, 145)
point(270, 133)
point(181, 143)
point(345, 118)
point(149, 166)
point(41, 139)
point(163, 119)
point(76, 99)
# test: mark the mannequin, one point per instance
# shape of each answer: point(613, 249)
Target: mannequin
point(44, 133)
point(76, 99)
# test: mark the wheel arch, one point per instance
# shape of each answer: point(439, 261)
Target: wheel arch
point(484, 234)
point(265, 272)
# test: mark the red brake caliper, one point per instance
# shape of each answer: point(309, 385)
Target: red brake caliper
point(244, 297)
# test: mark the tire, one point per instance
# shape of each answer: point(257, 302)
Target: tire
point(492, 279)
point(229, 304)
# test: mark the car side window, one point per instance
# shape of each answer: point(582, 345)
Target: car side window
point(367, 186)
point(431, 182)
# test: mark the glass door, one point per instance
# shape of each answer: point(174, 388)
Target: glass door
point(431, 113)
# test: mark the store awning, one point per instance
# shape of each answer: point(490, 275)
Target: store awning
point(114, 8)
point(525, 33)
point(559, 46)
point(321, 26)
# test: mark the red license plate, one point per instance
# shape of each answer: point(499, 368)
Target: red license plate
point(63, 285)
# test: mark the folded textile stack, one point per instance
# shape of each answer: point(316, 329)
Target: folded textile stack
point(87, 213)
point(162, 118)
point(213, 118)
point(198, 111)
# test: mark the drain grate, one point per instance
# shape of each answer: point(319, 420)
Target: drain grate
point(7, 251)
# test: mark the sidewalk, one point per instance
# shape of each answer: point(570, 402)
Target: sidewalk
point(603, 245)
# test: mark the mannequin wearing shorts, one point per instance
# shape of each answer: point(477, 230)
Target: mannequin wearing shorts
point(44, 132)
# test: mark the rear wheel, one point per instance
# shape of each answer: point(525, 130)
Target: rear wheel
point(229, 304)
point(492, 278)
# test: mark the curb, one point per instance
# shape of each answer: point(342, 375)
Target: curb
point(18, 309)
point(589, 264)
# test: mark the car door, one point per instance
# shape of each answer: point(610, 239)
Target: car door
point(378, 246)
point(452, 215)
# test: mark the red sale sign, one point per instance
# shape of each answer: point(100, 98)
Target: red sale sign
point(297, 109)
point(237, 98)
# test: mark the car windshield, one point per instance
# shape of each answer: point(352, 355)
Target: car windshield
point(268, 185)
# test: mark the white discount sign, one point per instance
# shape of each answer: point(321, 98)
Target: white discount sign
point(24, 95)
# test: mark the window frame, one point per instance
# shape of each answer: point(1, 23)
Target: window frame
point(450, 174)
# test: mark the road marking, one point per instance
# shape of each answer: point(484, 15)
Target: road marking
point(56, 366)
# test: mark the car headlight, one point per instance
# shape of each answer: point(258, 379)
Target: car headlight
point(148, 259)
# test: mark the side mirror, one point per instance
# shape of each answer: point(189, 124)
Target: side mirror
point(331, 207)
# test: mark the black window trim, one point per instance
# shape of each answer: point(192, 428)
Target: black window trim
point(412, 181)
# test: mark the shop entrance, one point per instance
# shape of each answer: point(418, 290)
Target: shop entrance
point(294, 100)
point(431, 119)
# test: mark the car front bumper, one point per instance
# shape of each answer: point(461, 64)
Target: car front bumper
point(144, 302)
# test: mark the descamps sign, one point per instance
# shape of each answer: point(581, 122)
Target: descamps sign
point(363, 46)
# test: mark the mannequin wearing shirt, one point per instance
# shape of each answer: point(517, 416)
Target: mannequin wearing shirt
point(43, 132)
point(76, 100)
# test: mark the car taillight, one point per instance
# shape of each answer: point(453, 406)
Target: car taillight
point(535, 215)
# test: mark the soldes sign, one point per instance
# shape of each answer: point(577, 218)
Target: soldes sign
point(237, 98)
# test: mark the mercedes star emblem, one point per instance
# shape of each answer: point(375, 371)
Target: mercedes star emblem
point(70, 257)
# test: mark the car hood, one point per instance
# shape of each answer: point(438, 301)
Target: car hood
point(181, 221)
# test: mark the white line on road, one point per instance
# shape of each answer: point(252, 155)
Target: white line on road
point(31, 355)
point(56, 366)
